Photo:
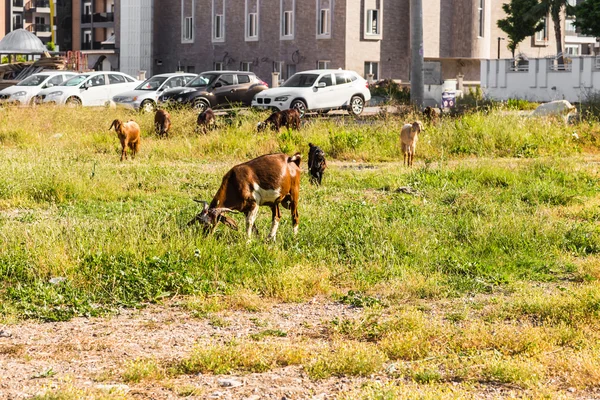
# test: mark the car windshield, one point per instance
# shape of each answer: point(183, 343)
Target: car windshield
point(35, 80)
point(76, 80)
point(203, 80)
point(301, 80)
point(152, 83)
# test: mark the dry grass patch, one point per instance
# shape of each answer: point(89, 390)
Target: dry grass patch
point(348, 358)
point(141, 369)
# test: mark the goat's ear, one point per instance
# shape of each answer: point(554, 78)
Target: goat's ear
point(114, 123)
point(230, 222)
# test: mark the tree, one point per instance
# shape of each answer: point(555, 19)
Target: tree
point(519, 23)
point(554, 8)
point(587, 17)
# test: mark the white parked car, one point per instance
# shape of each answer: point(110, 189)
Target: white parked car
point(318, 90)
point(23, 92)
point(145, 96)
point(88, 89)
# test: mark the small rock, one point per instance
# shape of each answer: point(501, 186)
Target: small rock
point(229, 383)
point(56, 280)
point(571, 390)
point(215, 395)
point(253, 397)
point(119, 388)
point(57, 135)
point(4, 333)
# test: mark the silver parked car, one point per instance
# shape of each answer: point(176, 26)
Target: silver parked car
point(145, 96)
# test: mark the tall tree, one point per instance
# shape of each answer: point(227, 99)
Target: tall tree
point(587, 17)
point(520, 22)
point(554, 8)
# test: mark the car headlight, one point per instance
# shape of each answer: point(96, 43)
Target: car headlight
point(53, 94)
point(282, 98)
point(19, 94)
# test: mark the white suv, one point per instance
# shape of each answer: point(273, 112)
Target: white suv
point(319, 90)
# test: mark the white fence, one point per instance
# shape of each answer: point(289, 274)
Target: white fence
point(541, 80)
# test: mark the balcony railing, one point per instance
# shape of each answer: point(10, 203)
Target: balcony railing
point(97, 17)
point(39, 28)
point(42, 3)
point(91, 46)
point(17, 3)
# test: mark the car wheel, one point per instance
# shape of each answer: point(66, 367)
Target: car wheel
point(300, 106)
point(357, 105)
point(73, 102)
point(147, 106)
point(200, 105)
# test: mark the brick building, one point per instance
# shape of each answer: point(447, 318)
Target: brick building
point(368, 36)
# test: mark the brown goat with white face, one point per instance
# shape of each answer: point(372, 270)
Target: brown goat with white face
point(129, 135)
point(408, 140)
point(162, 123)
point(268, 180)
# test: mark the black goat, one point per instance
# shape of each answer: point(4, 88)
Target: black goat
point(316, 163)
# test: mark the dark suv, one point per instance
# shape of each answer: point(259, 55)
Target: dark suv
point(215, 89)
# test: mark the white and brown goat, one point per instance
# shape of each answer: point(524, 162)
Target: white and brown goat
point(408, 140)
point(129, 135)
point(268, 180)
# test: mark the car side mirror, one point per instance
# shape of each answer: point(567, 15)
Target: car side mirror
point(49, 85)
point(217, 85)
point(322, 84)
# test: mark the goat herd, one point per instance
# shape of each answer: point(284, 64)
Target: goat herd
point(268, 180)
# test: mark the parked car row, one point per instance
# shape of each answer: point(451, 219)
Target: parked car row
point(316, 90)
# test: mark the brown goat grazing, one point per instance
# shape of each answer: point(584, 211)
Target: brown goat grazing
point(287, 118)
point(129, 135)
point(162, 123)
point(268, 180)
point(206, 120)
point(432, 114)
point(408, 140)
point(316, 163)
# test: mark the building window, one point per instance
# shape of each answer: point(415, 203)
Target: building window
point(188, 29)
point(252, 26)
point(218, 66)
point(252, 19)
point(87, 8)
point(481, 19)
point(572, 49)
point(323, 26)
point(287, 24)
point(187, 21)
point(372, 68)
point(372, 23)
point(218, 21)
point(323, 64)
point(245, 66)
point(290, 70)
point(569, 27)
point(541, 36)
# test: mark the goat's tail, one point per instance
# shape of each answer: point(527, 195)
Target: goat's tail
point(295, 159)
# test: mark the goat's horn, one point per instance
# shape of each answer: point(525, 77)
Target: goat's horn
point(223, 210)
point(202, 202)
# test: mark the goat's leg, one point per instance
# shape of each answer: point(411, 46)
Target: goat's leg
point(250, 218)
point(276, 216)
point(123, 148)
point(294, 209)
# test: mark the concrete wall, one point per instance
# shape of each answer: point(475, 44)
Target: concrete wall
point(539, 83)
point(136, 37)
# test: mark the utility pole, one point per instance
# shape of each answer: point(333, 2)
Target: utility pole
point(417, 88)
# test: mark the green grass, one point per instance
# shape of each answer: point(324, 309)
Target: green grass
point(116, 231)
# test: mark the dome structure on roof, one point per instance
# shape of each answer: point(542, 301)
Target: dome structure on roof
point(21, 41)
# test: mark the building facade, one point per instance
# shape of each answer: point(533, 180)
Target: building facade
point(32, 15)
point(371, 37)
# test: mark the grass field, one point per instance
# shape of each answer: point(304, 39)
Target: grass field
point(488, 275)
